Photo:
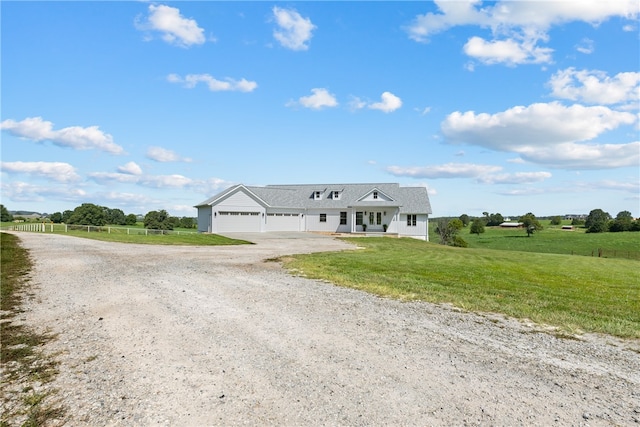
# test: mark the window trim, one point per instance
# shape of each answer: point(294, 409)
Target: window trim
point(323, 217)
point(343, 218)
point(412, 220)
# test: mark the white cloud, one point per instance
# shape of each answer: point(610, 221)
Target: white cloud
point(517, 26)
point(448, 170)
point(514, 178)
point(321, 98)
point(294, 31)
point(174, 181)
point(389, 103)
point(109, 177)
point(356, 103)
point(175, 28)
point(586, 46)
point(596, 87)
point(166, 181)
point(631, 186)
point(163, 155)
point(75, 137)
point(214, 85)
point(585, 156)
point(510, 51)
point(538, 124)
point(130, 168)
point(24, 192)
point(551, 134)
point(56, 171)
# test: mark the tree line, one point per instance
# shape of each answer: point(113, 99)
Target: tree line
point(91, 214)
point(597, 221)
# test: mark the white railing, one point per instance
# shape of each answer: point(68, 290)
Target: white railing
point(65, 228)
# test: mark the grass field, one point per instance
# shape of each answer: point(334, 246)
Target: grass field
point(138, 234)
point(160, 239)
point(552, 239)
point(574, 293)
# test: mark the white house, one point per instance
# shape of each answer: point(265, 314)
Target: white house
point(337, 208)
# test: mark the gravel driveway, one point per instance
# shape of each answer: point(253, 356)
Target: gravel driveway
point(193, 336)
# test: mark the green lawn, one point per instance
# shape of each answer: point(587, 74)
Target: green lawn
point(138, 234)
point(552, 239)
point(574, 293)
point(191, 239)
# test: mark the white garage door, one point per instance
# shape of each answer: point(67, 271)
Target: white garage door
point(283, 222)
point(238, 222)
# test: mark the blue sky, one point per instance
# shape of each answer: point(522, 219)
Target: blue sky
point(508, 107)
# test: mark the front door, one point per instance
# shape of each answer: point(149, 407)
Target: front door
point(375, 220)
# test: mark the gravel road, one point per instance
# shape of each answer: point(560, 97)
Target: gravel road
point(194, 336)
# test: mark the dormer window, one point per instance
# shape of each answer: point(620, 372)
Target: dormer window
point(317, 195)
point(335, 195)
point(375, 195)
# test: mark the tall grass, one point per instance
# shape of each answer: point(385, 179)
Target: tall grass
point(573, 293)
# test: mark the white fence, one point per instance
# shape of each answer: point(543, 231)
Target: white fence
point(65, 228)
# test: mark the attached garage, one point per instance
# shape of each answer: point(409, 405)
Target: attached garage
point(283, 222)
point(230, 222)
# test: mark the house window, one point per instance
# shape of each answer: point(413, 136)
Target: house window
point(375, 194)
point(412, 220)
point(378, 218)
point(359, 220)
point(323, 217)
point(335, 195)
point(317, 195)
point(372, 218)
point(343, 218)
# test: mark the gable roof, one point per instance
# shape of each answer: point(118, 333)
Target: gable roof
point(407, 199)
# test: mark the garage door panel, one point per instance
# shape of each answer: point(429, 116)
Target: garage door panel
point(238, 222)
point(283, 222)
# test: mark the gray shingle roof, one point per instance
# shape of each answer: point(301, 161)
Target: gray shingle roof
point(408, 199)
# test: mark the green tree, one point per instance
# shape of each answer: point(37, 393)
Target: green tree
point(477, 226)
point(597, 221)
point(577, 222)
point(131, 219)
point(66, 215)
point(623, 222)
point(465, 219)
point(493, 220)
point(158, 220)
point(187, 222)
point(530, 223)
point(115, 216)
point(56, 217)
point(448, 230)
point(556, 220)
point(88, 214)
point(5, 215)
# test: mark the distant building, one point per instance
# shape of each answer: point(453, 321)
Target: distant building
point(512, 225)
